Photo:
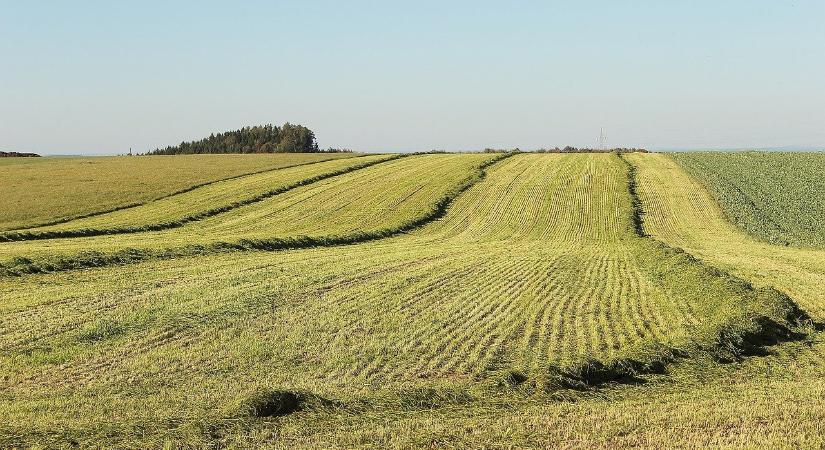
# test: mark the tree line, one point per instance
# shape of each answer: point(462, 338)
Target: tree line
point(268, 138)
point(18, 155)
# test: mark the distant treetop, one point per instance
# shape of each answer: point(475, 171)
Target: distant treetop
point(268, 138)
point(17, 154)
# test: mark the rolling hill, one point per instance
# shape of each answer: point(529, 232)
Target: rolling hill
point(447, 300)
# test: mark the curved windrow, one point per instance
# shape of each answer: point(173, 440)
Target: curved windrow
point(371, 202)
point(680, 211)
point(197, 204)
point(536, 276)
point(48, 191)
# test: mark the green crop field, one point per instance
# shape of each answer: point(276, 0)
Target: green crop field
point(433, 300)
point(779, 197)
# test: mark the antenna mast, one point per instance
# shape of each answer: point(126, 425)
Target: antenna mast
point(601, 142)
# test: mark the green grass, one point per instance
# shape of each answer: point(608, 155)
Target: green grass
point(372, 202)
point(777, 197)
point(520, 284)
point(44, 190)
point(199, 203)
point(681, 212)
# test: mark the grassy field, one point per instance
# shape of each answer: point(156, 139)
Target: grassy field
point(778, 197)
point(680, 212)
point(198, 204)
point(528, 300)
point(43, 190)
point(371, 202)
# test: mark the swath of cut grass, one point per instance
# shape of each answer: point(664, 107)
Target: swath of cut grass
point(41, 191)
point(533, 275)
point(198, 203)
point(434, 186)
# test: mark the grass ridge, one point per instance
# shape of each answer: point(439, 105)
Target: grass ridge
point(767, 317)
point(21, 265)
point(172, 194)
point(87, 232)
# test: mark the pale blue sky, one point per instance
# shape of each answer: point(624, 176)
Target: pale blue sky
point(100, 77)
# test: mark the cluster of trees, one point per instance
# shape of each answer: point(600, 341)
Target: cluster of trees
point(18, 155)
point(268, 138)
point(502, 150)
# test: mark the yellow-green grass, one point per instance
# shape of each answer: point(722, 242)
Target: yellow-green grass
point(536, 267)
point(43, 190)
point(378, 199)
point(200, 203)
point(778, 197)
point(680, 211)
point(752, 405)
point(767, 402)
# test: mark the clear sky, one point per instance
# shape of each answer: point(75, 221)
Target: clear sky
point(100, 77)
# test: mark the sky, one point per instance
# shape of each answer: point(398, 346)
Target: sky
point(100, 77)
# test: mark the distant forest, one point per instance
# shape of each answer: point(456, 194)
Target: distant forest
point(269, 138)
point(18, 154)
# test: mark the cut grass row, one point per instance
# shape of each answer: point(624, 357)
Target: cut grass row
point(534, 279)
point(680, 211)
point(748, 405)
point(366, 204)
point(771, 402)
point(199, 203)
point(38, 191)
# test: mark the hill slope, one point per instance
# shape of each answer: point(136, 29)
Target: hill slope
point(201, 202)
point(45, 190)
point(777, 197)
point(532, 284)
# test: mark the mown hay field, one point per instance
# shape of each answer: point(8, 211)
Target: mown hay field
point(375, 201)
point(197, 204)
point(455, 300)
point(44, 190)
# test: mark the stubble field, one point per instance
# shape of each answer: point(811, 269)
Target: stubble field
point(446, 300)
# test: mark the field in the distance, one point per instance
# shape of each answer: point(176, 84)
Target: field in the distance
point(496, 300)
point(778, 197)
point(43, 190)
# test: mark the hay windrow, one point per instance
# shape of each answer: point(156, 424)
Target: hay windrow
point(87, 259)
point(15, 236)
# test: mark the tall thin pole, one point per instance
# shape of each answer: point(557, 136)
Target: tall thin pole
point(601, 142)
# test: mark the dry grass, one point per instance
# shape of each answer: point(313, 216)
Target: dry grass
point(42, 190)
point(455, 334)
